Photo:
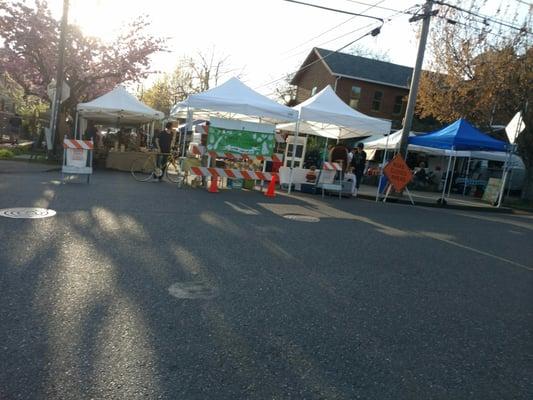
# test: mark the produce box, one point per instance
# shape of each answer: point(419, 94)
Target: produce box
point(248, 184)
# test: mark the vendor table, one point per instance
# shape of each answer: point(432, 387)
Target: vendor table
point(122, 161)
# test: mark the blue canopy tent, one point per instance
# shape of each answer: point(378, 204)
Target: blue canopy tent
point(457, 137)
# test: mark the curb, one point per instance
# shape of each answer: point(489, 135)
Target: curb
point(396, 200)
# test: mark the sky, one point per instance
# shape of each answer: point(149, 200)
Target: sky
point(263, 39)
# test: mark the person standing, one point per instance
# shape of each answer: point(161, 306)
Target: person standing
point(350, 156)
point(358, 164)
point(163, 143)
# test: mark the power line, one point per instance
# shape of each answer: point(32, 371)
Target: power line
point(373, 32)
point(333, 28)
point(380, 7)
point(387, 19)
point(483, 17)
point(335, 10)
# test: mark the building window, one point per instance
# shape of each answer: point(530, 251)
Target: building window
point(313, 91)
point(398, 105)
point(376, 103)
point(355, 95)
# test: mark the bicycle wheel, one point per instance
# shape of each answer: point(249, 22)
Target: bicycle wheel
point(143, 169)
point(172, 171)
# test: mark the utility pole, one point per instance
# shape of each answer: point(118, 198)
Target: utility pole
point(54, 120)
point(413, 91)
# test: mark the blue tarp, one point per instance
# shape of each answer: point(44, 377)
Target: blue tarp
point(459, 136)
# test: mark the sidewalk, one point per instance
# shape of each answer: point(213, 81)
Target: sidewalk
point(429, 199)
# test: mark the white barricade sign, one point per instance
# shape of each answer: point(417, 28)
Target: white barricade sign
point(76, 155)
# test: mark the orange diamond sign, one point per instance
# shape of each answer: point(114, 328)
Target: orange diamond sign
point(398, 173)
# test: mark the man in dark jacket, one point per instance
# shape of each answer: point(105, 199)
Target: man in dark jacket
point(163, 143)
point(358, 164)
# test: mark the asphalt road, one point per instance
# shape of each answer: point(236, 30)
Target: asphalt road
point(142, 290)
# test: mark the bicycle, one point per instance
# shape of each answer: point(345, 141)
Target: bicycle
point(146, 168)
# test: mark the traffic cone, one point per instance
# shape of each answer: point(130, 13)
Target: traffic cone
point(213, 188)
point(271, 191)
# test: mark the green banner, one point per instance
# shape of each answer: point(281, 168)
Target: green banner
point(240, 141)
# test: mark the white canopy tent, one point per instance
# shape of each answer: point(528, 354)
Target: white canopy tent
point(326, 115)
point(117, 107)
point(234, 99)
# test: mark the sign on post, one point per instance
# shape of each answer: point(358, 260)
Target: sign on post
point(51, 91)
point(398, 173)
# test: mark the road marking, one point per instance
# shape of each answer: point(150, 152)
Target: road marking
point(301, 218)
point(441, 239)
point(192, 290)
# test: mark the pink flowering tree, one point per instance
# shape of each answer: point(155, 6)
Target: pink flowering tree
point(30, 51)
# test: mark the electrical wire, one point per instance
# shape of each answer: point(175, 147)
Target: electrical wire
point(335, 10)
point(387, 19)
point(380, 7)
point(372, 32)
point(333, 28)
point(483, 17)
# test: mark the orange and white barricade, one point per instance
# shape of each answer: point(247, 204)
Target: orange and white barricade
point(331, 166)
point(77, 158)
point(234, 156)
point(233, 173)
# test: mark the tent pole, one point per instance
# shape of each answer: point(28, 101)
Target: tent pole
point(510, 180)
point(188, 128)
point(382, 166)
point(466, 176)
point(453, 171)
point(446, 176)
point(295, 136)
point(76, 127)
point(505, 173)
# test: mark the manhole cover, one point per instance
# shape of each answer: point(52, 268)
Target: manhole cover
point(31, 212)
point(301, 218)
point(192, 290)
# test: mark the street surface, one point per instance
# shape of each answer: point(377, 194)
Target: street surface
point(143, 290)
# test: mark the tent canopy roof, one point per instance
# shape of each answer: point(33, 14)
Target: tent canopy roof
point(118, 104)
point(459, 136)
point(325, 114)
point(391, 141)
point(235, 97)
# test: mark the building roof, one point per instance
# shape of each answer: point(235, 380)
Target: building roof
point(362, 68)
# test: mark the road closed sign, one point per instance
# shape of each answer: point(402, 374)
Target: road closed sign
point(398, 173)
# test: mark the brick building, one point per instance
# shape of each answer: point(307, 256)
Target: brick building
point(375, 88)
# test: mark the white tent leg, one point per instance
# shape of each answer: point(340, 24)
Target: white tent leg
point(510, 181)
point(382, 166)
point(505, 173)
point(446, 178)
point(188, 128)
point(76, 127)
point(466, 175)
point(453, 171)
point(293, 152)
